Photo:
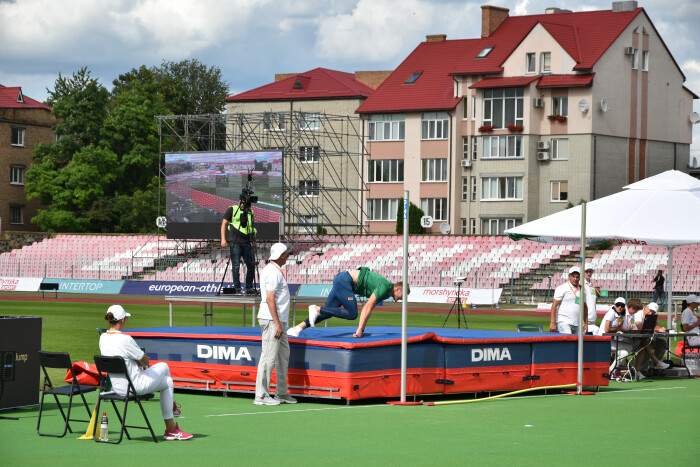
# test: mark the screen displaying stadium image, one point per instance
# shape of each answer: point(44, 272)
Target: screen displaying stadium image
point(200, 186)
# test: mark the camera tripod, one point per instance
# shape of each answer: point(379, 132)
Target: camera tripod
point(458, 307)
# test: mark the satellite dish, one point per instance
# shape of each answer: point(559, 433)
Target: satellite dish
point(161, 222)
point(445, 228)
point(694, 118)
point(604, 105)
point(583, 105)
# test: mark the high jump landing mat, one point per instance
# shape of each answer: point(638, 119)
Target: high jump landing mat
point(331, 363)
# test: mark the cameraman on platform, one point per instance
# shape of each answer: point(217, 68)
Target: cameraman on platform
point(237, 232)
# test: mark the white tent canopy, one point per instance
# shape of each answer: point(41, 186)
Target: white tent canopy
point(661, 210)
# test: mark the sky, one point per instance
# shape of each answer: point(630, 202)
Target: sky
point(251, 40)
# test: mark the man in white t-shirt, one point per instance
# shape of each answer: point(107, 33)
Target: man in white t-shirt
point(591, 299)
point(690, 321)
point(566, 306)
point(146, 379)
point(273, 317)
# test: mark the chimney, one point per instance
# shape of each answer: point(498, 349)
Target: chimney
point(435, 38)
point(491, 18)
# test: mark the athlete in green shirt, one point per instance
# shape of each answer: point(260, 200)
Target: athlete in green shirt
point(341, 300)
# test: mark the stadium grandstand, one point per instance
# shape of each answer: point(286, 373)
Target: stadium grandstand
point(525, 270)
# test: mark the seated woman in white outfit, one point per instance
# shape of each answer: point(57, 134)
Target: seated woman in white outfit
point(146, 380)
point(690, 321)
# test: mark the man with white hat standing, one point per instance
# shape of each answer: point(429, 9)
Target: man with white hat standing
point(273, 317)
point(592, 293)
point(566, 306)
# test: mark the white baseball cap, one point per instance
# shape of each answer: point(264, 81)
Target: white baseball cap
point(276, 251)
point(589, 267)
point(574, 269)
point(653, 306)
point(620, 300)
point(118, 312)
point(692, 298)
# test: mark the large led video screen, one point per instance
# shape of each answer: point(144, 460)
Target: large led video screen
point(200, 186)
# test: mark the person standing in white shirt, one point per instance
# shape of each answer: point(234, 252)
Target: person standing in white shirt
point(273, 317)
point(566, 306)
point(591, 299)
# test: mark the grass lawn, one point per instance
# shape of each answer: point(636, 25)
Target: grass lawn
point(646, 423)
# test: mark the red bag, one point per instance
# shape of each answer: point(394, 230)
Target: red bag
point(86, 373)
point(680, 349)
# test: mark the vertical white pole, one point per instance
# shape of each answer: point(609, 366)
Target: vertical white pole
point(582, 316)
point(669, 290)
point(404, 306)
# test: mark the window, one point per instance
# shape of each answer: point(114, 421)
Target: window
point(501, 188)
point(309, 121)
point(465, 108)
point(464, 226)
point(473, 197)
point(560, 149)
point(473, 107)
point(475, 145)
point(387, 127)
point(560, 191)
point(309, 154)
point(546, 62)
point(465, 189)
point(382, 209)
point(273, 122)
point(560, 106)
point(307, 223)
point(17, 175)
point(472, 226)
point(502, 146)
point(635, 59)
point(530, 63)
point(435, 125)
point(17, 138)
point(465, 147)
point(503, 107)
point(433, 170)
point(412, 79)
point(498, 226)
point(645, 60)
point(435, 208)
point(308, 187)
point(485, 52)
point(385, 170)
point(16, 214)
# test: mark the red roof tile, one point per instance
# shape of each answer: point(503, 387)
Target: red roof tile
point(319, 83)
point(584, 35)
point(565, 81)
point(508, 82)
point(9, 96)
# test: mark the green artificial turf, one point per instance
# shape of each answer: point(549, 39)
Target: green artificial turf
point(644, 423)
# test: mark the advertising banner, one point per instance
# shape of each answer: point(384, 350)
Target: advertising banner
point(19, 284)
point(167, 288)
point(448, 294)
point(87, 286)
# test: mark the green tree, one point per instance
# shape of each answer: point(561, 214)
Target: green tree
point(414, 215)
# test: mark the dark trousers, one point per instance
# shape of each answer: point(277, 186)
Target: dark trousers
point(242, 250)
point(341, 301)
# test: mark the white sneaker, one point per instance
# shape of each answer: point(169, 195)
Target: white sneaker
point(313, 314)
point(293, 332)
point(267, 400)
point(661, 365)
point(640, 376)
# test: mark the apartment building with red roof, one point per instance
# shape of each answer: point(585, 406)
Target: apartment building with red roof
point(311, 117)
point(24, 122)
point(540, 112)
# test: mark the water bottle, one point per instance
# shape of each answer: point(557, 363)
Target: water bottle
point(103, 427)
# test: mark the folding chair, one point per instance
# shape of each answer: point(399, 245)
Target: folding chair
point(117, 366)
point(529, 327)
point(61, 360)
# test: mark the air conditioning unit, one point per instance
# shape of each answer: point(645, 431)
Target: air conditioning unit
point(542, 156)
point(466, 163)
point(538, 102)
point(543, 145)
point(629, 50)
